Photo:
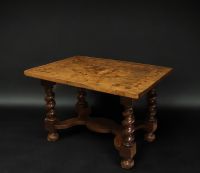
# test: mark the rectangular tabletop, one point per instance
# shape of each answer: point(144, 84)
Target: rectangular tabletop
point(116, 77)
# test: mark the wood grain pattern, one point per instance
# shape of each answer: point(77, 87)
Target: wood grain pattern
point(116, 77)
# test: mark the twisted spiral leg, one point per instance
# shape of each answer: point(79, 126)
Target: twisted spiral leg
point(128, 124)
point(151, 121)
point(81, 103)
point(81, 106)
point(50, 118)
point(128, 148)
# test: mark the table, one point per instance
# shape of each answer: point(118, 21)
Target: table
point(129, 80)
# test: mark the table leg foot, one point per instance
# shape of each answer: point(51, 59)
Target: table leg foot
point(151, 122)
point(52, 137)
point(127, 164)
point(150, 137)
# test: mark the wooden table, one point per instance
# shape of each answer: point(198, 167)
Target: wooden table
point(129, 80)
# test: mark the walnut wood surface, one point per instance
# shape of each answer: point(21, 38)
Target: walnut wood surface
point(121, 78)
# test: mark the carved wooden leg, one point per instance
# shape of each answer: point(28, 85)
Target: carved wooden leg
point(50, 118)
point(128, 147)
point(81, 107)
point(151, 123)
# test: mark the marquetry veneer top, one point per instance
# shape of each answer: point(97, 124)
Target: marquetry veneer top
point(116, 77)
